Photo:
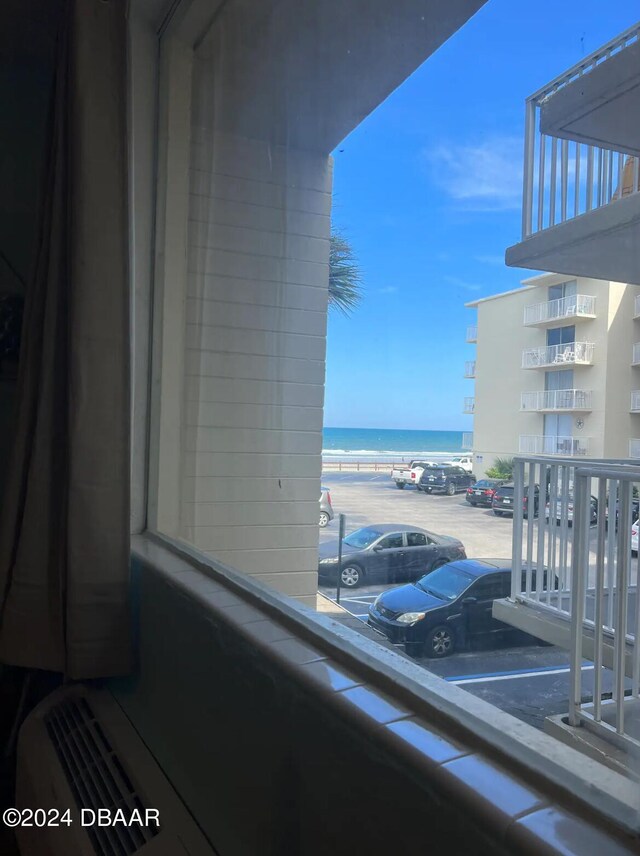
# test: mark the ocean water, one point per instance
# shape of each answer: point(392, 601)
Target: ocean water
point(388, 443)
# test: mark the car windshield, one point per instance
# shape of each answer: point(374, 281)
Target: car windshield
point(505, 491)
point(485, 483)
point(447, 582)
point(362, 538)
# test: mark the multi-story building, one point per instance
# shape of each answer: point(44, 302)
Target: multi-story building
point(554, 373)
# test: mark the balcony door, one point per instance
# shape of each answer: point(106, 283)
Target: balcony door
point(561, 335)
point(557, 428)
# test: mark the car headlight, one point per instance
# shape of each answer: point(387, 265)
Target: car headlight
point(411, 617)
point(330, 561)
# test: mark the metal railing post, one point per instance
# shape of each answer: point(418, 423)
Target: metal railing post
point(529, 150)
point(579, 572)
point(516, 554)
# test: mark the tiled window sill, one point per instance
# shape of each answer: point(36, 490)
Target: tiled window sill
point(516, 782)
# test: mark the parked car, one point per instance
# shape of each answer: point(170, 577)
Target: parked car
point(567, 500)
point(483, 491)
point(386, 553)
point(410, 474)
point(503, 500)
point(635, 511)
point(326, 509)
point(446, 609)
point(445, 479)
point(463, 461)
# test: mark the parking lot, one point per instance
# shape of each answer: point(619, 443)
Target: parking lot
point(526, 679)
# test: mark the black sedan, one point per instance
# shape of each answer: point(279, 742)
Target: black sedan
point(445, 609)
point(386, 553)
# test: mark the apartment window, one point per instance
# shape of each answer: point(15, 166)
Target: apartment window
point(564, 289)
point(561, 335)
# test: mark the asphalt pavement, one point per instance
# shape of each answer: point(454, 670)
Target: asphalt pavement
point(518, 674)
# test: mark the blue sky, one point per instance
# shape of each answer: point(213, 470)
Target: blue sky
point(428, 190)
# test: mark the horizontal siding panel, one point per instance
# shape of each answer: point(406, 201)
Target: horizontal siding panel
point(293, 572)
point(270, 195)
point(264, 343)
point(242, 316)
point(248, 490)
point(258, 160)
point(263, 416)
point(216, 538)
point(247, 513)
point(203, 261)
point(277, 244)
point(253, 392)
point(252, 416)
point(233, 289)
point(254, 367)
point(219, 464)
point(206, 209)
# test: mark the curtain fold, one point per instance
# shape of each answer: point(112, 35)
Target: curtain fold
point(64, 519)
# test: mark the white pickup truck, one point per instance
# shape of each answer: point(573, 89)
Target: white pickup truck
point(463, 461)
point(410, 474)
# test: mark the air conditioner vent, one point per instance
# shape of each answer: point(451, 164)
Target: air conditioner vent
point(96, 776)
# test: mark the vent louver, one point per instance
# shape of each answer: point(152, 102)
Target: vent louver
point(96, 776)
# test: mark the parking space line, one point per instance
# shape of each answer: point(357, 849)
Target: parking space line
point(508, 676)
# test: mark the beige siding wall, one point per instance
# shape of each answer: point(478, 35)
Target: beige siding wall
point(255, 320)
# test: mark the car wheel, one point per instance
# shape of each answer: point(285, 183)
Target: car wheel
point(324, 519)
point(497, 513)
point(451, 489)
point(440, 642)
point(351, 576)
point(400, 485)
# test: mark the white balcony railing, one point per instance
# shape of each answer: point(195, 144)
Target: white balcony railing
point(589, 585)
point(469, 405)
point(634, 448)
point(575, 306)
point(472, 334)
point(564, 179)
point(556, 399)
point(635, 401)
point(467, 440)
point(568, 447)
point(635, 357)
point(572, 353)
point(636, 306)
point(470, 368)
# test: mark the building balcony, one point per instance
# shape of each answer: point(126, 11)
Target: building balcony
point(634, 448)
point(472, 335)
point(635, 401)
point(550, 400)
point(467, 440)
point(558, 356)
point(470, 368)
point(469, 405)
point(568, 447)
point(586, 598)
point(581, 200)
point(556, 312)
point(635, 355)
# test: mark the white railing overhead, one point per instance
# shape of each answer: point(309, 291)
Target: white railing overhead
point(564, 179)
point(634, 448)
point(470, 368)
point(636, 306)
point(469, 405)
point(538, 444)
point(467, 440)
point(583, 540)
point(635, 357)
point(575, 306)
point(472, 334)
point(558, 355)
point(556, 399)
point(635, 401)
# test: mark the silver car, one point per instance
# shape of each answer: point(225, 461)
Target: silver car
point(326, 510)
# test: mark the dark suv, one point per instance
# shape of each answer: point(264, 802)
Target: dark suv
point(447, 480)
point(504, 498)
